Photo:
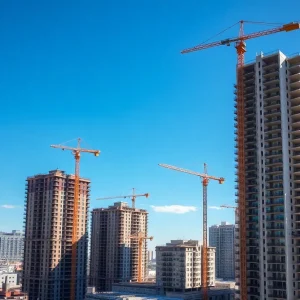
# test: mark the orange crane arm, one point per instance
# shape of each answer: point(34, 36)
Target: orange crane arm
point(95, 152)
point(227, 42)
point(127, 196)
point(220, 179)
point(132, 196)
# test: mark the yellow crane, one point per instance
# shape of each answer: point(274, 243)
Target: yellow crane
point(205, 180)
point(140, 236)
point(77, 153)
point(133, 197)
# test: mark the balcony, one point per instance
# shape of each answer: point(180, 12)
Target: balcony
point(274, 161)
point(273, 137)
point(275, 218)
point(273, 153)
point(271, 72)
point(295, 92)
point(271, 88)
point(275, 243)
point(271, 79)
point(277, 295)
point(272, 96)
point(272, 104)
point(275, 226)
point(275, 234)
point(273, 145)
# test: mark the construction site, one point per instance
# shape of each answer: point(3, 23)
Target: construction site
point(267, 245)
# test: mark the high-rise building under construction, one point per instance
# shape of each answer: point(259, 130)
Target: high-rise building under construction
point(272, 176)
point(48, 236)
point(114, 254)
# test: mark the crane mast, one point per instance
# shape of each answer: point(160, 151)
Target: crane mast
point(140, 237)
point(77, 153)
point(240, 46)
point(205, 180)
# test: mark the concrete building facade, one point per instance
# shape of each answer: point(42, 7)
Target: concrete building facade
point(114, 255)
point(178, 266)
point(48, 236)
point(222, 238)
point(9, 279)
point(272, 175)
point(12, 245)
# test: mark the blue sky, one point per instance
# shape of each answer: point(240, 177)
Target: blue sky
point(111, 73)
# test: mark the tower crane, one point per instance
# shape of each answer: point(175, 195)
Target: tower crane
point(240, 46)
point(205, 180)
point(140, 236)
point(76, 151)
point(228, 206)
point(133, 197)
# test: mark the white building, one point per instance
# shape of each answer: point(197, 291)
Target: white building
point(10, 279)
point(178, 265)
point(272, 177)
point(12, 245)
point(222, 238)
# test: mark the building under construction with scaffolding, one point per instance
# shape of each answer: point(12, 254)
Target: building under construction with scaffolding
point(114, 253)
point(49, 209)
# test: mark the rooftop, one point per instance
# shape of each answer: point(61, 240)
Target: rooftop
point(126, 296)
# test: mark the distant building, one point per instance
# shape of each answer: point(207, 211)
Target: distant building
point(12, 245)
point(222, 238)
point(48, 236)
point(10, 279)
point(150, 255)
point(178, 266)
point(114, 255)
point(10, 287)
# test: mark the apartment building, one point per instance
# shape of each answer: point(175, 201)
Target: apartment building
point(178, 266)
point(114, 255)
point(272, 176)
point(48, 236)
point(12, 245)
point(222, 238)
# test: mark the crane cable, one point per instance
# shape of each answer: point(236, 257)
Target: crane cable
point(251, 22)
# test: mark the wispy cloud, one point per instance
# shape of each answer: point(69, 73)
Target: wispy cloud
point(174, 209)
point(8, 206)
point(215, 207)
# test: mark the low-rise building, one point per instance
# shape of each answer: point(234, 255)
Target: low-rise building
point(178, 266)
point(10, 287)
point(13, 295)
point(12, 245)
point(10, 279)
